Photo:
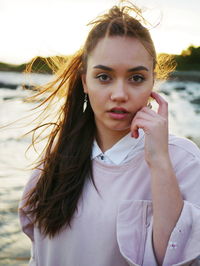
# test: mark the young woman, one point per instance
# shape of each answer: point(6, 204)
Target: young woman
point(113, 188)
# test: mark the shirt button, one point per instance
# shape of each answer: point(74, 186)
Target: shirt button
point(172, 245)
point(102, 157)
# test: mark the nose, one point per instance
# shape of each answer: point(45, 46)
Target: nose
point(119, 92)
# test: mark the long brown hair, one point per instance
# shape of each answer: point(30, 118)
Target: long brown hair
point(66, 163)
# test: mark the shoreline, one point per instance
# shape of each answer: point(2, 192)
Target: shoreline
point(190, 75)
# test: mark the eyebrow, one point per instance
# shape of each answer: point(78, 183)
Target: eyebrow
point(138, 68)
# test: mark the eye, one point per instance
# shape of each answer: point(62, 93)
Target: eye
point(103, 77)
point(137, 78)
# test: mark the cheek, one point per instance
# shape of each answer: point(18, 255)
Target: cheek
point(142, 97)
point(145, 100)
point(97, 96)
point(147, 92)
point(146, 96)
point(95, 100)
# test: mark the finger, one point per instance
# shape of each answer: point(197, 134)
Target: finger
point(152, 114)
point(137, 122)
point(135, 131)
point(149, 111)
point(163, 105)
point(142, 116)
point(145, 114)
point(140, 123)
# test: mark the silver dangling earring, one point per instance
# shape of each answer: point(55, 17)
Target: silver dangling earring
point(85, 103)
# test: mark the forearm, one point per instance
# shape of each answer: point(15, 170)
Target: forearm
point(167, 205)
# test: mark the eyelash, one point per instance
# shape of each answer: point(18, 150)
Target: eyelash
point(109, 78)
point(138, 76)
point(103, 75)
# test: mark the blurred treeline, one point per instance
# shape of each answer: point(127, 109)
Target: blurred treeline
point(188, 60)
point(38, 64)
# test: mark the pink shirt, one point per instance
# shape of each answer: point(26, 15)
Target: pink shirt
point(115, 228)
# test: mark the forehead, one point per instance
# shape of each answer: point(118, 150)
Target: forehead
point(123, 51)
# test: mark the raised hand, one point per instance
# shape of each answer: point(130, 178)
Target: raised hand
point(155, 126)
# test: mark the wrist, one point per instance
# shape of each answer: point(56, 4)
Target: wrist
point(160, 162)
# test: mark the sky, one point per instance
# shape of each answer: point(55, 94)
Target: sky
point(32, 28)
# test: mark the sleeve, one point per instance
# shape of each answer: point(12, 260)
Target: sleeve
point(25, 220)
point(134, 235)
point(135, 220)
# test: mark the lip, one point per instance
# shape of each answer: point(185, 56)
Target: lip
point(118, 116)
point(118, 109)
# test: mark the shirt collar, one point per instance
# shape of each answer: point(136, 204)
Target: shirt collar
point(119, 151)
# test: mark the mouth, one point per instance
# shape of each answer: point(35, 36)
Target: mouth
point(118, 110)
point(118, 113)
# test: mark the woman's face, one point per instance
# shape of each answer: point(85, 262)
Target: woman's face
point(118, 80)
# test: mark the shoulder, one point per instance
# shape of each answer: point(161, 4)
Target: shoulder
point(184, 154)
point(183, 147)
point(185, 158)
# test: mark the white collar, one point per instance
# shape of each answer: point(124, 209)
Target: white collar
point(119, 151)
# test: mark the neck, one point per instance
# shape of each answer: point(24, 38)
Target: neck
point(107, 140)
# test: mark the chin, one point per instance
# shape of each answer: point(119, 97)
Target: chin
point(122, 129)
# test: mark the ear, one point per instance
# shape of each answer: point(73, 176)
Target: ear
point(83, 78)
